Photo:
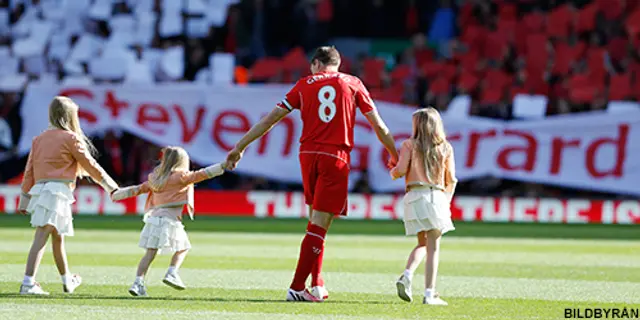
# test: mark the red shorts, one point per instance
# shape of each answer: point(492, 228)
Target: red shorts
point(325, 178)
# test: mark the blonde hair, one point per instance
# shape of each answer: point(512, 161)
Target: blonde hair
point(173, 158)
point(63, 115)
point(429, 140)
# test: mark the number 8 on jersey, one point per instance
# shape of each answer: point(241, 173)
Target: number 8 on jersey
point(327, 108)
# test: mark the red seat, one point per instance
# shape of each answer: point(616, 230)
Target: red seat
point(400, 73)
point(617, 48)
point(507, 11)
point(497, 79)
point(393, 94)
point(423, 56)
point(508, 29)
point(564, 56)
point(612, 9)
point(469, 61)
point(537, 54)
point(595, 62)
point(265, 68)
point(620, 87)
point(466, 17)
point(373, 71)
point(629, 6)
point(516, 90)
point(560, 91)
point(636, 90)
point(633, 23)
point(495, 46)
point(536, 84)
point(491, 96)
point(581, 89)
point(449, 71)
point(520, 40)
point(439, 87)
point(345, 65)
point(468, 82)
point(560, 21)
point(534, 22)
point(295, 60)
point(634, 71)
point(587, 18)
point(432, 69)
point(474, 37)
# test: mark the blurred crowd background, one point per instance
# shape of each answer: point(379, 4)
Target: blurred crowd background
point(581, 54)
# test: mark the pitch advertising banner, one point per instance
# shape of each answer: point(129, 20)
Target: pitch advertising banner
point(598, 151)
point(263, 204)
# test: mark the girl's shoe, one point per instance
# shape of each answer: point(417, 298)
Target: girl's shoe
point(34, 289)
point(403, 285)
point(173, 280)
point(138, 289)
point(435, 300)
point(74, 282)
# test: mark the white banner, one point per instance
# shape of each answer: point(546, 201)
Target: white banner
point(597, 151)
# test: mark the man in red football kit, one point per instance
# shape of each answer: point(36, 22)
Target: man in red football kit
point(327, 101)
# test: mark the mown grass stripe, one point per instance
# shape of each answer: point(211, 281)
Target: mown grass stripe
point(17, 311)
point(455, 286)
point(447, 268)
point(335, 250)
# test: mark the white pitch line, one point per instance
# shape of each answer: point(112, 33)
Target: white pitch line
point(117, 236)
point(336, 251)
point(371, 283)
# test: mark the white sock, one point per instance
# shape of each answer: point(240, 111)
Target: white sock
point(64, 278)
point(172, 270)
point(428, 293)
point(408, 274)
point(28, 280)
point(140, 279)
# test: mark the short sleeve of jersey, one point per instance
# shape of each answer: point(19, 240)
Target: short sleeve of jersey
point(291, 99)
point(363, 99)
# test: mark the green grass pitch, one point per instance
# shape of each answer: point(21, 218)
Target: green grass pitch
point(240, 269)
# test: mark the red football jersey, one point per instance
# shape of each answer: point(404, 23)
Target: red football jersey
point(327, 102)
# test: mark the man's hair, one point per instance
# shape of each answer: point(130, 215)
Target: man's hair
point(327, 55)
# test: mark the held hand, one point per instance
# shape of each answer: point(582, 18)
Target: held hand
point(392, 163)
point(22, 212)
point(233, 157)
point(112, 192)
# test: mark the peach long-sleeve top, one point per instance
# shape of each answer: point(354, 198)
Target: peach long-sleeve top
point(415, 173)
point(58, 155)
point(176, 192)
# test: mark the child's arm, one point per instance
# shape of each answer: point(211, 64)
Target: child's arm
point(27, 183)
point(450, 180)
point(129, 192)
point(90, 165)
point(402, 167)
point(210, 172)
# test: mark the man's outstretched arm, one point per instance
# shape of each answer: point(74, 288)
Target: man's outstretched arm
point(384, 135)
point(258, 130)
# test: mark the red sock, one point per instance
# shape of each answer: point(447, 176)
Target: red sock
point(311, 247)
point(316, 276)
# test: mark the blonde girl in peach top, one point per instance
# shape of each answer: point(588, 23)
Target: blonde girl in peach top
point(426, 161)
point(57, 157)
point(170, 190)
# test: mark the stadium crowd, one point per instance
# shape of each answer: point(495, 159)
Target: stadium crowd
point(580, 54)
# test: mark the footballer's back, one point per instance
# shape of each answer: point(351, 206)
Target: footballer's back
point(327, 102)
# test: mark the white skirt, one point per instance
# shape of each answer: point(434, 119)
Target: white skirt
point(163, 233)
point(50, 204)
point(425, 210)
